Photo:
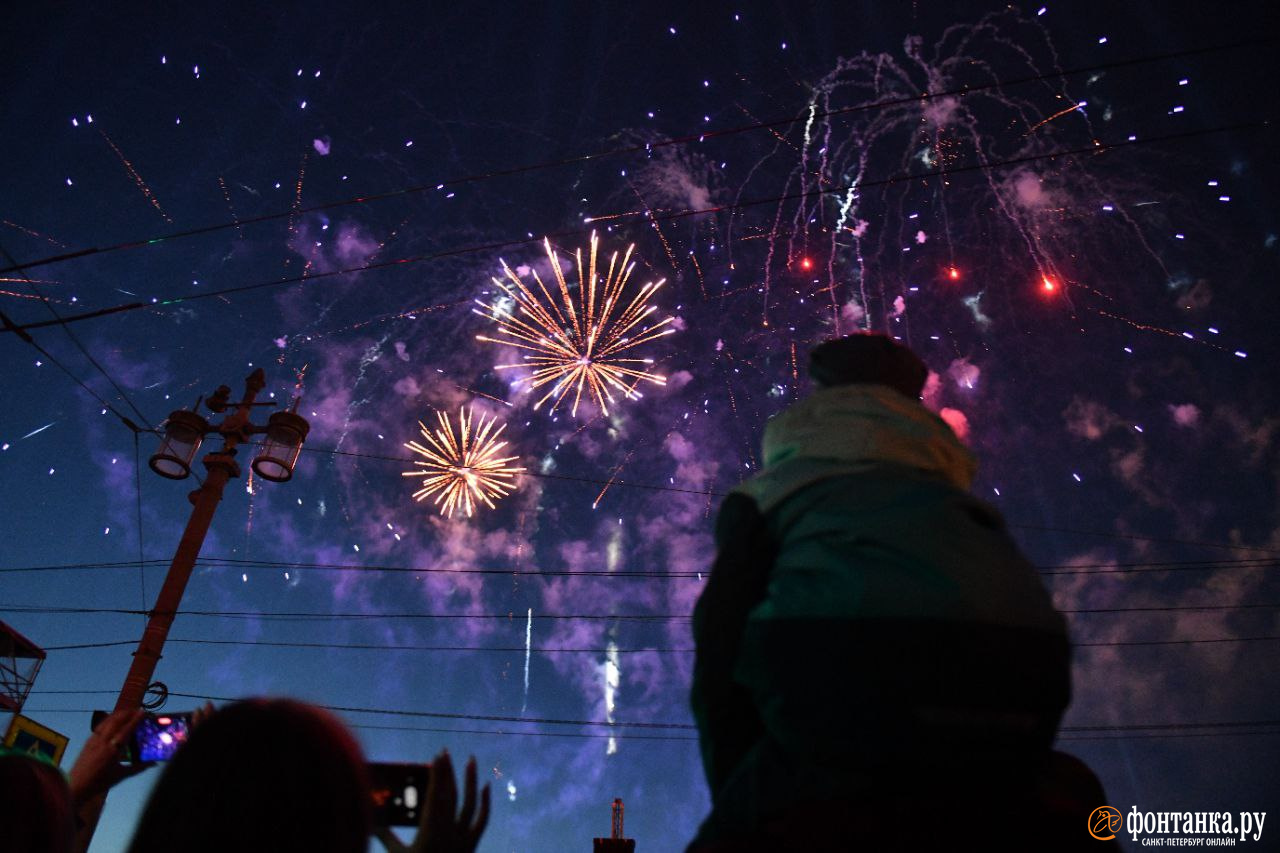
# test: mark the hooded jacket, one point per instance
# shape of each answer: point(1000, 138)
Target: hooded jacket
point(864, 609)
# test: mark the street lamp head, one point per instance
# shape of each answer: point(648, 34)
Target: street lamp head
point(285, 433)
point(184, 431)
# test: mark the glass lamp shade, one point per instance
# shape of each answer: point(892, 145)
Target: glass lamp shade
point(285, 433)
point(183, 434)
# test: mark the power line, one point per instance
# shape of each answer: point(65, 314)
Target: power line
point(302, 616)
point(644, 147)
point(15, 266)
point(233, 563)
point(512, 616)
point(835, 190)
point(1219, 725)
point(625, 736)
point(382, 647)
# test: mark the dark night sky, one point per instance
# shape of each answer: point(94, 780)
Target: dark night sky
point(1127, 421)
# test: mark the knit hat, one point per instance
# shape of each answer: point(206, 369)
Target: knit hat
point(868, 358)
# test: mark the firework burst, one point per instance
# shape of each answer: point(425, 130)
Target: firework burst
point(584, 344)
point(462, 468)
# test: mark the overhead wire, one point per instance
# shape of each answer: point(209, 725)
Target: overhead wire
point(235, 562)
point(21, 270)
point(401, 647)
point(270, 616)
point(612, 725)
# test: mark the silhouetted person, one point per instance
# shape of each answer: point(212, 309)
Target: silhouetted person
point(870, 639)
point(36, 815)
point(262, 774)
point(276, 774)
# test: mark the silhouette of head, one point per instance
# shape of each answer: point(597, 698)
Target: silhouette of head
point(871, 359)
point(35, 808)
point(261, 774)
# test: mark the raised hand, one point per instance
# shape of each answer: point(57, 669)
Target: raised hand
point(443, 829)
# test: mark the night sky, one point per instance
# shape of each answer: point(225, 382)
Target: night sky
point(1077, 230)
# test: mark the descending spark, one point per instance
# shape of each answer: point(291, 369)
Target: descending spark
point(25, 230)
point(230, 207)
point(297, 194)
point(1058, 114)
point(497, 400)
point(38, 431)
point(137, 179)
point(583, 343)
point(463, 468)
point(613, 476)
point(528, 645)
point(35, 296)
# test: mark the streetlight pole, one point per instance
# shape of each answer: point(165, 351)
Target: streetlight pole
point(285, 434)
point(221, 465)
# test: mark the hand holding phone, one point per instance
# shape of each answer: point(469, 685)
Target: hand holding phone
point(442, 828)
point(98, 766)
point(154, 737)
point(398, 791)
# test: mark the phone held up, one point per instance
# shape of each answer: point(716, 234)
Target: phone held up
point(398, 791)
point(156, 738)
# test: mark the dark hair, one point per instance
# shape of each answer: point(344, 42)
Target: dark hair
point(868, 358)
point(261, 774)
point(35, 805)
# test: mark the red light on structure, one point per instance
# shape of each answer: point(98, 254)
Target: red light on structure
point(806, 264)
point(1049, 284)
point(953, 273)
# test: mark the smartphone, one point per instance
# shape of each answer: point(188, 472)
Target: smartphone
point(398, 792)
point(156, 738)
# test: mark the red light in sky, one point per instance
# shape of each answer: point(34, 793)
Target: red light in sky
point(806, 264)
point(953, 273)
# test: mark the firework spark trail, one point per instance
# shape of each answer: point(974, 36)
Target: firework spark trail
point(697, 267)
point(297, 194)
point(1058, 114)
point(230, 207)
point(583, 345)
point(473, 391)
point(37, 297)
point(370, 356)
point(462, 467)
point(528, 650)
point(613, 476)
point(33, 233)
point(294, 210)
point(137, 179)
point(648, 214)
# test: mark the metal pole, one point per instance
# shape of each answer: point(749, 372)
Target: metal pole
point(221, 465)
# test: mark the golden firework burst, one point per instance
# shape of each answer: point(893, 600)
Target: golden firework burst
point(583, 343)
point(462, 468)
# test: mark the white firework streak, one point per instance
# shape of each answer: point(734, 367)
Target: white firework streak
point(528, 645)
point(612, 678)
point(38, 431)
